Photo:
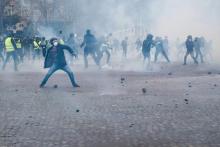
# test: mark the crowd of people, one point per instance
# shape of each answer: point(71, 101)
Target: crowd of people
point(22, 49)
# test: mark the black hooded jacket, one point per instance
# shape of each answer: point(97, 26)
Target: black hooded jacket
point(58, 58)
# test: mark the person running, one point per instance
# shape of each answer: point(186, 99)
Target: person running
point(160, 49)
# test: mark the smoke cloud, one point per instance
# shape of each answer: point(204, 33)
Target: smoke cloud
point(172, 18)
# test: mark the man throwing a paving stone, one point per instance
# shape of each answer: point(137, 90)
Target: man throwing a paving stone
point(55, 60)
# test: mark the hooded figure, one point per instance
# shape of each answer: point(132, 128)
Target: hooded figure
point(90, 46)
point(146, 47)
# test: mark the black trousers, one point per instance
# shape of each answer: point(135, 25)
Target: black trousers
point(191, 53)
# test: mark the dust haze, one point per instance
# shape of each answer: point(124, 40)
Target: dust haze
point(172, 18)
point(137, 18)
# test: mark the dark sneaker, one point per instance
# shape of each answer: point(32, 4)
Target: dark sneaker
point(41, 86)
point(76, 86)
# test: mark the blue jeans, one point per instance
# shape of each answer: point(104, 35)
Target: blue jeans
point(54, 68)
point(14, 57)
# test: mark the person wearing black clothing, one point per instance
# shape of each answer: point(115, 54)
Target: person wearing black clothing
point(55, 60)
point(146, 47)
point(27, 44)
point(20, 50)
point(189, 46)
point(44, 45)
point(90, 48)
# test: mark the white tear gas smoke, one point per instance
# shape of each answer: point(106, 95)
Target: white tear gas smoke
point(176, 18)
point(48, 32)
point(172, 18)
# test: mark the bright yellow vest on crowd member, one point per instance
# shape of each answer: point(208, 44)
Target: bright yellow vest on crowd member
point(61, 42)
point(36, 45)
point(8, 45)
point(18, 44)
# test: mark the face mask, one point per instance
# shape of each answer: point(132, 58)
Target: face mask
point(55, 43)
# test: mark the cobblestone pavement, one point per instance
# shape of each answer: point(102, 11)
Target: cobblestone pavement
point(111, 109)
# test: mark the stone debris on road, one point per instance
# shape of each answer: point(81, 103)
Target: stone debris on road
point(55, 86)
point(106, 114)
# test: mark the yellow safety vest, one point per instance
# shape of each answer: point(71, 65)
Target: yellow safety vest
point(8, 45)
point(18, 44)
point(36, 45)
point(48, 44)
point(61, 42)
